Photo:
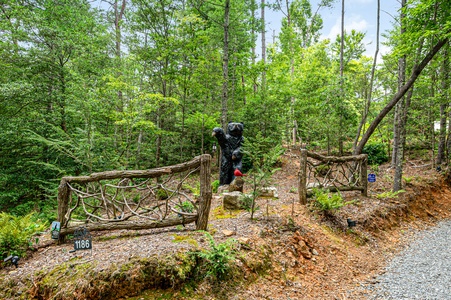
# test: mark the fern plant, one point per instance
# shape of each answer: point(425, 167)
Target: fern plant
point(328, 201)
point(16, 233)
point(218, 258)
point(389, 194)
point(186, 206)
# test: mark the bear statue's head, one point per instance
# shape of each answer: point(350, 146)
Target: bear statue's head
point(235, 129)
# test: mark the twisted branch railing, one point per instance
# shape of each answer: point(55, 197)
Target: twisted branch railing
point(137, 199)
point(344, 173)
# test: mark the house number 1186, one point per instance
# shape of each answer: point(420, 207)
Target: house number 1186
point(82, 244)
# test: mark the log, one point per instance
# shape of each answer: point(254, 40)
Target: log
point(336, 159)
point(152, 173)
point(130, 225)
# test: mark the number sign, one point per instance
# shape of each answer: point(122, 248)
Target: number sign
point(371, 177)
point(82, 244)
point(83, 239)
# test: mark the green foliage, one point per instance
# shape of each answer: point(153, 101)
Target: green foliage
point(377, 153)
point(16, 233)
point(328, 201)
point(389, 194)
point(43, 210)
point(186, 206)
point(408, 179)
point(219, 257)
point(195, 190)
point(247, 203)
point(162, 194)
point(215, 186)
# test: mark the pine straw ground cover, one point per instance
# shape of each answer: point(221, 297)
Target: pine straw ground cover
point(288, 251)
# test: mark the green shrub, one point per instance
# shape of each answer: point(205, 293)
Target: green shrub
point(162, 194)
point(218, 258)
point(194, 190)
point(389, 194)
point(246, 202)
point(215, 186)
point(43, 210)
point(186, 206)
point(328, 201)
point(377, 153)
point(16, 233)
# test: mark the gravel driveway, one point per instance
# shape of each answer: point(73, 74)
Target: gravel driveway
point(421, 271)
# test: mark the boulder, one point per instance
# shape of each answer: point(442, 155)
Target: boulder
point(231, 200)
point(223, 189)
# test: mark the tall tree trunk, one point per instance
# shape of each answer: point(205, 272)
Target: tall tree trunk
point(342, 94)
point(399, 129)
point(445, 87)
point(225, 64)
point(444, 119)
point(118, 16)
point(254, 53)
point(442, 134)
point(263, 5)
point(370, 89)
point(290, 43)
point(399, 109)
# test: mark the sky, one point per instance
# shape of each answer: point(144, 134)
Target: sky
point(360, 15)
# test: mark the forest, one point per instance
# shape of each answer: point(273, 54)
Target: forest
point(138, 84)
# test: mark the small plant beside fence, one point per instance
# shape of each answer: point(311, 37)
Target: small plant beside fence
point(137, 199)
point(332, 173)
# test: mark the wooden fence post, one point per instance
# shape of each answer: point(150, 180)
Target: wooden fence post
point(364, 175)
point(64, 194)
point(205, 192)
point(303, 178)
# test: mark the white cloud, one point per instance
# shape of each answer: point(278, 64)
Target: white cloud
point(355, 22)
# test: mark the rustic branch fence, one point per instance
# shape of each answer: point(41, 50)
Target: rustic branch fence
point(137, 199)
point(332, 173)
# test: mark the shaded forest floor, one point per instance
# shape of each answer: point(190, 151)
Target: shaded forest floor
point(288, 251)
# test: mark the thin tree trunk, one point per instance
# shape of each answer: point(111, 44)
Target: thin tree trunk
point(225, 64)
point(254, 53)
point(397, 123)
point(290, 42)
point(442, 134)
point(340, 138)
point(445, 88)
point(263, 5)
point(370, 90)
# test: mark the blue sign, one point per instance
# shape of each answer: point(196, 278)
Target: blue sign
point(371, 177)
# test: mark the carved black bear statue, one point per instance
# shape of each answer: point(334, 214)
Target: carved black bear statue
point(230, 144)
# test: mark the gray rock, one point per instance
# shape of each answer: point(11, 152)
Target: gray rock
point(231, 200)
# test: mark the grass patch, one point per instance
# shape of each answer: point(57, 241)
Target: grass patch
point(220, 213)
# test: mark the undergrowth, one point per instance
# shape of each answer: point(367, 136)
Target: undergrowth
point(17, 234)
